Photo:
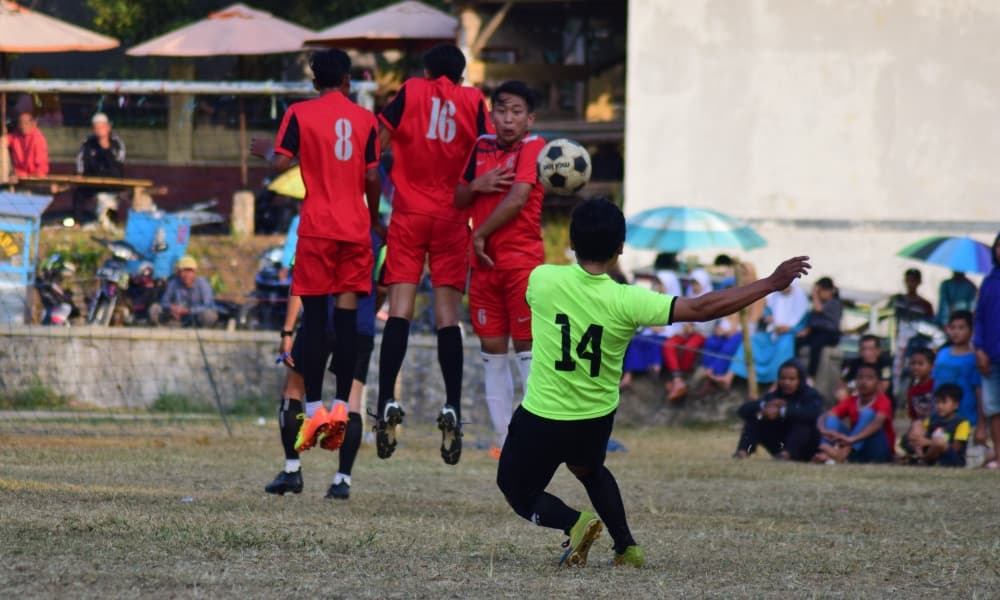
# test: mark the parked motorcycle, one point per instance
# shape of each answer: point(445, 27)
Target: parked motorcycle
point(57, 302)
point(108, 302)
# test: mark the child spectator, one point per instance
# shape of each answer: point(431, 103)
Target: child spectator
point(784, 420)
point(956, 363)
point(869, 353)
point(822, 323)
point(941, 438)
point(919, 398)
point(680, 352)
point(868, 435)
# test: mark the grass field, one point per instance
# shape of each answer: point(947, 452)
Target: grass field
point(166, 508)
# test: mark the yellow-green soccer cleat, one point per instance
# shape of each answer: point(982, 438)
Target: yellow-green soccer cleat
point(581, 537)
point(632, 557)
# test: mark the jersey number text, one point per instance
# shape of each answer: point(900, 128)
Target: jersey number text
point(442, 120)
point(343, 149)
point(588, 349)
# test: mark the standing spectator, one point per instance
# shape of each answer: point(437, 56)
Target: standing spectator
point(188, 299)
point(822, 323)
point(987, 342)
point(784, 420)
point(956, 363)
point(869, 353)
point(957, 293)
point(942, 437)
point(102, 154)
point(680, 351)
point(29, 152)
point(867, 434)
point(910, 308)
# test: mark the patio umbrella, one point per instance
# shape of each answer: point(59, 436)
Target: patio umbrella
point(236, 30)
point(962, 254)
point(410, 25)
point(676, 228)
point(25, 31)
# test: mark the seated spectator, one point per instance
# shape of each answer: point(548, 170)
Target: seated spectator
point(784, 420)
point(29, 152)
point(920, 396)
point(724, 268)
point(858, 428)
point(680, 352)
point(956, 363)
point(102, 154)
point(822, 323)
point(188, 299)
point(941, 438)
point(956, 293)
point(909, 308)
point(720, 347)
point(784, 313)
point(869, 353)
point(645, 351)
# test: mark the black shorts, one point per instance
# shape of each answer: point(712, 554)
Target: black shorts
point(536, 446)
point(364, 345)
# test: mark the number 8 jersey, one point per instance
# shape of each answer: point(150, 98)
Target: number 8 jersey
point(434, 124)
point(581, 325)
point(336, 141)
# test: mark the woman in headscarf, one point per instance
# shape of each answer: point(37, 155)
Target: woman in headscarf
point(784, 420)
point(680, 352)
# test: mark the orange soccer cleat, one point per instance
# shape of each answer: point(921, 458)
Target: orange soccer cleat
point(312, 429)
point(333, 436)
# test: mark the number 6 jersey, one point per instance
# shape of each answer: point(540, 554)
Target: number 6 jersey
point(336, 141)
point(434, 124)
point(581, 325)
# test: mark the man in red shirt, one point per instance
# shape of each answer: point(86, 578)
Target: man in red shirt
point(29, 152)
point(868, 435)
point(336, 142)
point(500, 187)
point(432, 123)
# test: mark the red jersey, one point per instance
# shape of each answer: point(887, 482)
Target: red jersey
point(920, 399)
point(434, 124)
point(336, 142)
point(849, 407)
point(517, 244)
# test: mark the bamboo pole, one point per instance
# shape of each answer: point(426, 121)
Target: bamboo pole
point(243, 144)
point(747, 346)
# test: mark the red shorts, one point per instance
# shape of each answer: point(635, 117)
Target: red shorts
point(413, 236)
point(324, 266)
point(497, 304)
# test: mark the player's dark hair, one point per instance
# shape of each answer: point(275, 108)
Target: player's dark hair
point(926, 352)
point(596, 230)
point(446, 60)
point(515, 88)
point(869, 337)
point(961, 315)
point(330, 67)
point(949, 390)
point(825, 283)
point(866, 367)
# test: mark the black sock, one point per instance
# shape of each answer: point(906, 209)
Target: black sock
point(345, 338)
point(395, 336)
point(315, 325)
point(550, 511)
point(288, 421)
point(451, 357)
point(607, 500)
point(352, 443)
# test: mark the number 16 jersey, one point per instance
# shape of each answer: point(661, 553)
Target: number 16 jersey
point(434, 124)
point(581, 325)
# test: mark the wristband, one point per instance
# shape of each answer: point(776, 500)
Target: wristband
point(285, 334)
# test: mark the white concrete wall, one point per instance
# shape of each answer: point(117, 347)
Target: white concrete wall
point(883, 114)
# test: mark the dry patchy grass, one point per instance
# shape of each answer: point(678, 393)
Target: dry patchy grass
point(82, 518)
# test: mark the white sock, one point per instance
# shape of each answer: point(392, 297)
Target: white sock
point(312, 407)
point(335, 401)
point(340, 477)
point(292, 465)
point(524, 367)
point(499, 393)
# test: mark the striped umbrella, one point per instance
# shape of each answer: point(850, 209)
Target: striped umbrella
point(962, 254)
point(676, 228)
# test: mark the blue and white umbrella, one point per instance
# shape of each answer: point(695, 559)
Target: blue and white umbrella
point(677, 228)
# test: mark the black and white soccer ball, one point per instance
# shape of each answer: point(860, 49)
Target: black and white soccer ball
point(563, 167)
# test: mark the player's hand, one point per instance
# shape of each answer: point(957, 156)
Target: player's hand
point(479, 247)
point(493, 181)
point(789, 271)
point(261, 148)
point(285, 349)
point(771, 411)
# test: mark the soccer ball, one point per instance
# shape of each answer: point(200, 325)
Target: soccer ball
point(563, 167)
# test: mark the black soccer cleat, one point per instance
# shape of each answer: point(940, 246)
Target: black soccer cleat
point(285, 482)
point(451, 436)
point(385, 430)
point(339, 491)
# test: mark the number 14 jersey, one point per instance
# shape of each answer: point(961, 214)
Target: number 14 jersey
point(434, 124)
point(581, 325)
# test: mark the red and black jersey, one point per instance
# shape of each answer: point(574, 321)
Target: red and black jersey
point(434, 124)
point(518, 243)
point(336, 142)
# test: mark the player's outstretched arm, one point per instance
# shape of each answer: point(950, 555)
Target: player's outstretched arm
point(716, 305)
